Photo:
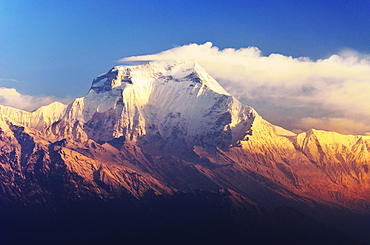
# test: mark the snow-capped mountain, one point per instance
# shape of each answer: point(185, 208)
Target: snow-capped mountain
point(162, 100)
point(168, 126)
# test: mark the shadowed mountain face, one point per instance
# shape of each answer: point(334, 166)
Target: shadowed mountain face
point(130, 154)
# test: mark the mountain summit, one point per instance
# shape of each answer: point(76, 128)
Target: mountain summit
point(150, 132)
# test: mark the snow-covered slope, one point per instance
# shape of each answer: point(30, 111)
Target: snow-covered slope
point(40, 119)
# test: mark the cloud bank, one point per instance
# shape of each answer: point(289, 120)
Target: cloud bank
point(11, 97)
point(296, 93)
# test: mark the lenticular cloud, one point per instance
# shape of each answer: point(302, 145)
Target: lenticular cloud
point(287, 90)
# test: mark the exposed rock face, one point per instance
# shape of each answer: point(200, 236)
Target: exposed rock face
point(165, 127)
point(36, 170)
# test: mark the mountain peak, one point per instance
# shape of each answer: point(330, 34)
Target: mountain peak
point(169, 70)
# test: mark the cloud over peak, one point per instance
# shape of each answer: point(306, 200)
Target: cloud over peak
point(293, 88)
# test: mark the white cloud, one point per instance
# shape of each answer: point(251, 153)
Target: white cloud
point(294, 88)
point(11, 97)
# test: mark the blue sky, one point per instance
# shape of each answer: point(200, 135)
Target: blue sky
point(55, 48)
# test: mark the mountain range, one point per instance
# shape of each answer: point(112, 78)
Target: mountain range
point(160, 153)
